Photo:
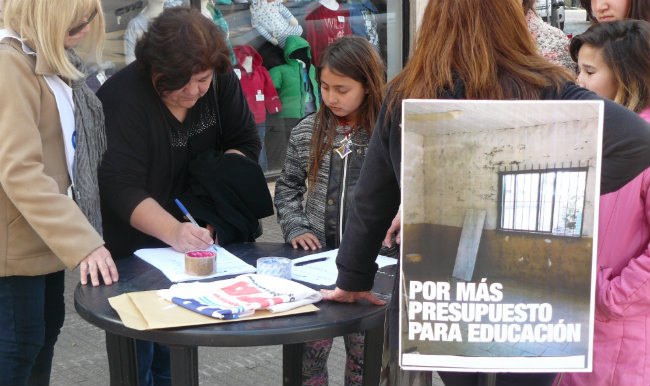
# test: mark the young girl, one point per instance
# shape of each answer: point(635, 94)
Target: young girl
point(614, 62)
point(324, 157)
point(601, 11)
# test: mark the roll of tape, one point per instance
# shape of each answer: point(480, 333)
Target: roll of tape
point(200, 263)
point(274, 266)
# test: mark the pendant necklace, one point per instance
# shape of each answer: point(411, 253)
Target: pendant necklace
point(344, 149)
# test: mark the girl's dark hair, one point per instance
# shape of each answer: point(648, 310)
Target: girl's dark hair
point(639, 10)
point(178, 44)
point(353, 57)
point(625, 48)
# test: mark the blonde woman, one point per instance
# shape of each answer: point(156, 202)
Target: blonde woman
point(48, 125)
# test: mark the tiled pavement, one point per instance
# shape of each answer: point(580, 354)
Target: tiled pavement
point(80, 353)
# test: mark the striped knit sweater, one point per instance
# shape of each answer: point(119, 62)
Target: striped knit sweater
point(291, 186)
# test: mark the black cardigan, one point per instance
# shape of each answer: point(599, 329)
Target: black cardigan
point(626, 153)
point(138, 162)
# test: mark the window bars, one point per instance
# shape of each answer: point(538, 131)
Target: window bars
point(543, 200)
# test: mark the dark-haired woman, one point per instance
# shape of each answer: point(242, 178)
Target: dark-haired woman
point(602, 11)
point(480, 59)
point(162, 111)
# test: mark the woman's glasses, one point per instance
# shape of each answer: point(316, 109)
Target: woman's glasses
point(75, 30)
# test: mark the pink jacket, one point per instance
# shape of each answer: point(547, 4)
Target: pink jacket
point(622, 315)
point(257, 85)
point(645, 114)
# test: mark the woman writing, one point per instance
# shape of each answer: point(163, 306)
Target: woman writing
point(480, 59)
point(44, 112)
point(177, 101)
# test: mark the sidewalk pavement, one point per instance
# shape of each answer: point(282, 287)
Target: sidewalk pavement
point(80, 353)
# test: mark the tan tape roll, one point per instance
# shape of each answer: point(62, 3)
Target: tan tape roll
point(200, 263)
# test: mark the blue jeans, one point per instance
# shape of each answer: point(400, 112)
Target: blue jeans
point(153, 364)
point(261, 128)
point(32, 311)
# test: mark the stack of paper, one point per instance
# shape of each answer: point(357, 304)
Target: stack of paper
point(320, 268)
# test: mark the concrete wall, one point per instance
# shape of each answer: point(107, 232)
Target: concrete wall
point(563, 262)
point(465, 165)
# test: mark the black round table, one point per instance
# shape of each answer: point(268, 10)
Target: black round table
point(332, 319)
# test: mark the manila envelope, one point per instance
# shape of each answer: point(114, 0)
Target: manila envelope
point(145, 310)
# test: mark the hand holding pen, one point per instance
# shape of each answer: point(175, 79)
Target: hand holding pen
point(191, 235)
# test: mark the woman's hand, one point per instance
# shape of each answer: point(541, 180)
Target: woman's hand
point(307, 241)
point(98, 260)
point(186, 236)
point(342, 296)
point(395, 226)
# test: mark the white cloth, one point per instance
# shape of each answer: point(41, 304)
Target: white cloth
point(240, 296)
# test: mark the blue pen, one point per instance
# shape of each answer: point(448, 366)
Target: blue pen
point(185, 212)
point(189, 217)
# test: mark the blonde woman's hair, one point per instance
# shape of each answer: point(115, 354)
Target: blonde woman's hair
point(44, 24)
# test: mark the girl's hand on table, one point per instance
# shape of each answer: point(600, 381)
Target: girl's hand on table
point(306, 241)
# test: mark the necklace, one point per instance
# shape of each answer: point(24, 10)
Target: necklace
point(344, 149)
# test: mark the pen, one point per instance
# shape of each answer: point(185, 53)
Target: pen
point(185, 212)
point(310, 261)
point(189, 217)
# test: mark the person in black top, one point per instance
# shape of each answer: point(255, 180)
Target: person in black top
point(476, 59)
point(179, 99)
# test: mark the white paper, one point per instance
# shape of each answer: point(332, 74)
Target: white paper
point(325, 272)
point(172, 263)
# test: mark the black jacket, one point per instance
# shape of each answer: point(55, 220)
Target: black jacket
point(219, 196)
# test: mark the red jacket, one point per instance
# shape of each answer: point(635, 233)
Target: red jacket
point(257, 85)
point(324, 26)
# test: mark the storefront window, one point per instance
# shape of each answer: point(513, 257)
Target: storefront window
point(263, 34)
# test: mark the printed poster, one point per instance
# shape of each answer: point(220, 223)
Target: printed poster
point(499, 230)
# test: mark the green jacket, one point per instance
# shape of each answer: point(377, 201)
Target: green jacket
point(287, 79)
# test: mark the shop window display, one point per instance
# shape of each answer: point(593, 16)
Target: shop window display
point(282, 40)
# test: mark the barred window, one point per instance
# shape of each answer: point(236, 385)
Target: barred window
point(543, 201)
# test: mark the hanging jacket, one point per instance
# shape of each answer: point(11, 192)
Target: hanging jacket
point(363, 21)
point(220, 21)
point(272, 20)
point(257, 85)
point(288, 79)
point(324, 26)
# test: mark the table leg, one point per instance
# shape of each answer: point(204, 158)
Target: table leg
point(184, 365)
point(372, 351)
point(487, 379)
point(292, 364)
point(122, 360)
